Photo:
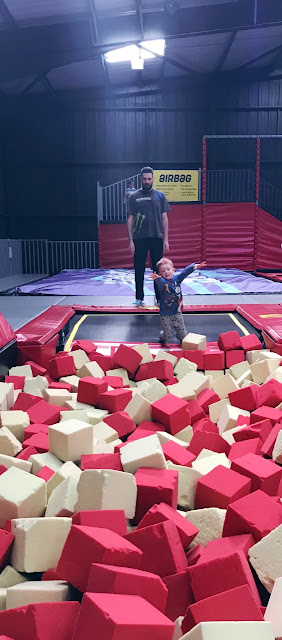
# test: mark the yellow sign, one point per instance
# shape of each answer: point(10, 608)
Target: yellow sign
point(178, 185)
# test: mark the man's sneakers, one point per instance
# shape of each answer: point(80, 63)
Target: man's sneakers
point(138, 303)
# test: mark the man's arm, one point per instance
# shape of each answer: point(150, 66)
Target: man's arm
point(165, 230)
point(130, 230)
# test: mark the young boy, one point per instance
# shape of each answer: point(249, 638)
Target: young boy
point(171, 298)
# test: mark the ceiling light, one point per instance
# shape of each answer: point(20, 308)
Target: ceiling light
point(133, 53)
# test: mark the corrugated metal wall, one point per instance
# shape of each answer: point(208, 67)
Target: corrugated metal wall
point(54, 155)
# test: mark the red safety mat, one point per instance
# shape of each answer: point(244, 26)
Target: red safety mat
point(261, 315)
point(41, 329)
point(191, 308)
point(269, 251)
point(229, 235)
point(6, 332)
point(277, 277)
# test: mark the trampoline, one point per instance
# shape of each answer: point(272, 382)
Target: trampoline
point(145, 327)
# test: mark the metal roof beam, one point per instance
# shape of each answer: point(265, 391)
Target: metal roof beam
point(260, 57)
point(226, 50)
point(183, 67)
point(7, 16)
point(140, 17)
point(96, 39)
point(41, 77)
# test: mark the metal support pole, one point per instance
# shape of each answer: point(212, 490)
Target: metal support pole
point(204, 198)
point(256, 205)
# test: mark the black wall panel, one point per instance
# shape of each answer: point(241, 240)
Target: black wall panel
point(54, 151)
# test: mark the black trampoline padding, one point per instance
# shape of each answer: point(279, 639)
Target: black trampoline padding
point(145, 327)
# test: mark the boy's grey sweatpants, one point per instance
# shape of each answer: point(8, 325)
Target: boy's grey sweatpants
point(173, 326)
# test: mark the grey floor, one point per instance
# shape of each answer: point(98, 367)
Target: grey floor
point(18, 310)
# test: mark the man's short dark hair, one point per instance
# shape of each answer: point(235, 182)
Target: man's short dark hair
point(146, 170)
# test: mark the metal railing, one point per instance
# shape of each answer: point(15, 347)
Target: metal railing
point(230, 185)
point(270, 199)
point(111, 206)
point(51, 256)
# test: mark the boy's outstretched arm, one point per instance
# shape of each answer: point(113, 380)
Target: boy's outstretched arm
point(191, 267)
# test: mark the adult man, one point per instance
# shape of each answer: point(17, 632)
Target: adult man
point(147, 225)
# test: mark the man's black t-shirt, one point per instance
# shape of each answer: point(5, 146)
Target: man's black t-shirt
point(147, 208)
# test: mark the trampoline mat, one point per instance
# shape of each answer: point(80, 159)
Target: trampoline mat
point(145, 327)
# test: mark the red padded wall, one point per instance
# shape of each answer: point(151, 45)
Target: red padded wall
point(229, 233)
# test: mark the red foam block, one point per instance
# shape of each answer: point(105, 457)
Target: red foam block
point(61, 366)
point(86, 345)
point(256, 513)
point(153, 487)
point(195, 410)
point(113, 519)
point(207, 440)
point(115, 400)
point(6, 541)
point(245, 398)
point(26, 453)
point(172, 412)
point(121, 422)
point(101, 461)
point(221, 574)
point(250, 342)
point(108, 579)
point(24, 401)
point(85, 545)
point(160, 369)
point(229, 340)
point(90, 389)
point(235, 604)
point(32, 429)
point(225, 546)
point(162, 549)
point(239, 449)
point(161, 512)
point(214, 360)
point(18, 382)
point(45, 473)
point(3, 469)
point(116, 616)
point(40, 621)
point(43, 412)
point(194, 355)
point(264, 474)
point(39, 441)
point(263, 413)
point(234, 357)
point(180, 594)
point(128, 358)
point(269, 394)
point(220, 487)
point(105, 362)
point(178, 454)
point(207, 397)
point(269, 442)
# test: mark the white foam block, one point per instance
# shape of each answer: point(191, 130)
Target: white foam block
point(103, 432)
point(182, 390)
point(205, 453)
point(71, 439)
point(208, 463)
point(146, 452)
point(24, 370)
point(72, 380)
point(21, 495)
point(9, 577)
point(80, 358)
point(65, 471)
point(16, 422)
point(262, 369)
point(145, 352)
point(277, 449)
point(3, 598)
point(63, 499)
point(90, 369)
point(214, 374)
point(183, 367)
point(187, 484)
point(9, 461)
point(78, 414)
point(185, 434)
point(37, 591)
point(266, 558)
point(39, 460)
point(237, 370)
point(94, 415)
point(273, 609)
point(30, 553)
point(210, 523)
point(197, 381)
point(35, 385)
point(228, 418)
point(224, 385)
point(254, 356)
point(7, 397)
point(194, 341)
point(107, 489)
point(164, 355)
point(228, 436)
point(155, 391)
point(230, 631)
point(9, 445)
point(216, 408)
point(120, 373)
point(177, 634)
point(57, 397)
point(139, 409)
point(167, 437)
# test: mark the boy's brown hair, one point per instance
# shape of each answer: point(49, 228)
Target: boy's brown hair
point(164, 261)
